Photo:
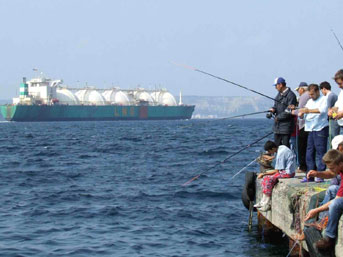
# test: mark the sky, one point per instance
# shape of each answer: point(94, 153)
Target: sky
point(135, 42)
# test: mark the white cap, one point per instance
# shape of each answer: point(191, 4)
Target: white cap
point(336, 141)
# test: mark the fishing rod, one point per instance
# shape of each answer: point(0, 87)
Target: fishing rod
point(226, 159)
point(243, 115)
point(339, 42)
point(228, 81)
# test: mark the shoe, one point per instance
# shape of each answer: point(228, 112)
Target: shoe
point(265, 207)
point(305, 180)
point(318, 180)
point(325, 244)
point(258, 205)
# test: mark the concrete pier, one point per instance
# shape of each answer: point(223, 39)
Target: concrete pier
point(291, 200)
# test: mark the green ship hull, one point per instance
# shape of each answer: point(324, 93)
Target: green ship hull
point(94, 112)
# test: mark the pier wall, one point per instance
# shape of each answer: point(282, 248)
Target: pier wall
point(291, 200)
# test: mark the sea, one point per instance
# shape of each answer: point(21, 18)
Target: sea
point(115, 189)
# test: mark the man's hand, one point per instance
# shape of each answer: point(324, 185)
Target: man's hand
point(311, 214)
point(312, 173)
point(260, 175)
point(291, 107)
point(338, 116)
point(300, 114)
point(272, 110)
point(303, 110)
point(330, 112)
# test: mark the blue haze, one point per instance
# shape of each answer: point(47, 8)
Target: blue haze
point(127, 43)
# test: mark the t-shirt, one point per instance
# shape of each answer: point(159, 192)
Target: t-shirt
point(339, 104)
point(332, 99)
point(285, 160)
point(340, 190)
point(317, 121)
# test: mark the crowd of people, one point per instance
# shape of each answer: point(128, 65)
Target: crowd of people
point(307, 136)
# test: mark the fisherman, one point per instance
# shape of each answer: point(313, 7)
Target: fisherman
point(337, 111)
point(334, 160)
point(283, 121)
point(316, 123)
point(285, 165)
point(304, 96)
point(334, 128)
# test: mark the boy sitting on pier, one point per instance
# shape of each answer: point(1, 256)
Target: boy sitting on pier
point(334, 161)
point(285, 166)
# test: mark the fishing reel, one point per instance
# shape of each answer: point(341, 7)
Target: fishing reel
point(269, 115)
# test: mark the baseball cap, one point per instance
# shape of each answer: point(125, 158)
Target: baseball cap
point(279, 80)
point(302, 84)
point(336, 141)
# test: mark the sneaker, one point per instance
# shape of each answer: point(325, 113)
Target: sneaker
point(318, 180)
point(258, 205)
point(265, 207)
point(305, 180)
point(325, 244)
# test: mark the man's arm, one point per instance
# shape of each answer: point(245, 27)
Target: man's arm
point(323, 174)
point(312, 213)
point(292, 100)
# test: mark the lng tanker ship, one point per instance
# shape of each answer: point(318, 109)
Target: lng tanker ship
point(43, 99)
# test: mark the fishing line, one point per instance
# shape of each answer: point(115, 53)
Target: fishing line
point(246, 166)
point(295, 243)
point(226, 159)
point(339, 42)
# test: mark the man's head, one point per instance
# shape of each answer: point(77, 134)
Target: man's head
point(313, 91)
point(270, 147)
point(302, 88)
point(337, 143)
point(334, 160)
point(280, 84)
point(339, 78)
point(325, 87)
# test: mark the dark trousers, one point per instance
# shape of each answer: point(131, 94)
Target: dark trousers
point(316, 148)
point(302, 145)
point(282, 139)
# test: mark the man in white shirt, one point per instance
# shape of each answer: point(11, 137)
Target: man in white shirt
point(316, 123)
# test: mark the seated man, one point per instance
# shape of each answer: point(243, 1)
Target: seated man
point(337, 143)
point(334, 161)
point(285, 166)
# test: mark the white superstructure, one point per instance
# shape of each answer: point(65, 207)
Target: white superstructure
point(43, 90)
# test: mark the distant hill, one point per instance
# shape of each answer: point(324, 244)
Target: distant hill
point(225, 106)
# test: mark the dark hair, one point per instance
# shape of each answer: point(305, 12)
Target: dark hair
point(314, 87)
point(269, 145)
point(338, 75)
point(325, 85)
point(333, 157)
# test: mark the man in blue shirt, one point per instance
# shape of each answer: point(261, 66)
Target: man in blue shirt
point(334, 128)
point(285, 166)
point(316, 123)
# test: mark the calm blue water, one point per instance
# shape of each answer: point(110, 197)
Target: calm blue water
point(114, 189)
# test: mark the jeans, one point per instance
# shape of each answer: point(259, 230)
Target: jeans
point(330, 194)
point(335, 212)
point(334, 128)
point(317, 142)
